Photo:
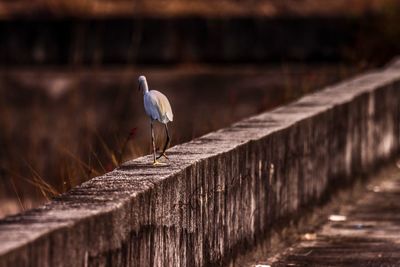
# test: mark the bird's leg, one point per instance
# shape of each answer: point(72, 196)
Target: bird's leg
point(166, 144)
point(152, 142)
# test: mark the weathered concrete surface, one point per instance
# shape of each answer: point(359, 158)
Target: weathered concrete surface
point(367, 233)
point(222, 192)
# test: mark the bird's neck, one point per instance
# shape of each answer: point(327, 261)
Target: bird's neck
point(145, 88)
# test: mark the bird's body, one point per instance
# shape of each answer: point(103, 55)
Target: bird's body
point(158, 108)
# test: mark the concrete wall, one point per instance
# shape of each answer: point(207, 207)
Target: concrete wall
point(222, 192)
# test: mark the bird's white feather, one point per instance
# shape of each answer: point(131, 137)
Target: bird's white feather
point(157, 106)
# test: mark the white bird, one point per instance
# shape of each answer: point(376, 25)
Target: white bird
point(157, 107)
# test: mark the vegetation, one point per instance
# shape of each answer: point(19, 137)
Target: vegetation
point(110, 8)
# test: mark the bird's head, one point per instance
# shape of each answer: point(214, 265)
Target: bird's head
point(142, 83)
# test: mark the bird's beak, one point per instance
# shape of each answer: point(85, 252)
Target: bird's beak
point(138, 87)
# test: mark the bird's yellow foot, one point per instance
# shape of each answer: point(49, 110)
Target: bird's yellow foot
point(157, 163)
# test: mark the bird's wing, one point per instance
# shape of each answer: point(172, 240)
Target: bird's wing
point(151, 107)
point(163, 105)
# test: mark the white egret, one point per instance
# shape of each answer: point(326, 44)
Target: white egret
point(157, 107)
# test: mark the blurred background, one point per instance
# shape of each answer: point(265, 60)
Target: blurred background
point(69, 105)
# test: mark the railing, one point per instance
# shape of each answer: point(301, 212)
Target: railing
point(221, 193)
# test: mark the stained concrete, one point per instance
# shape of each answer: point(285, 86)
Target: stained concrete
point(221, 192)
point(364, 233)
